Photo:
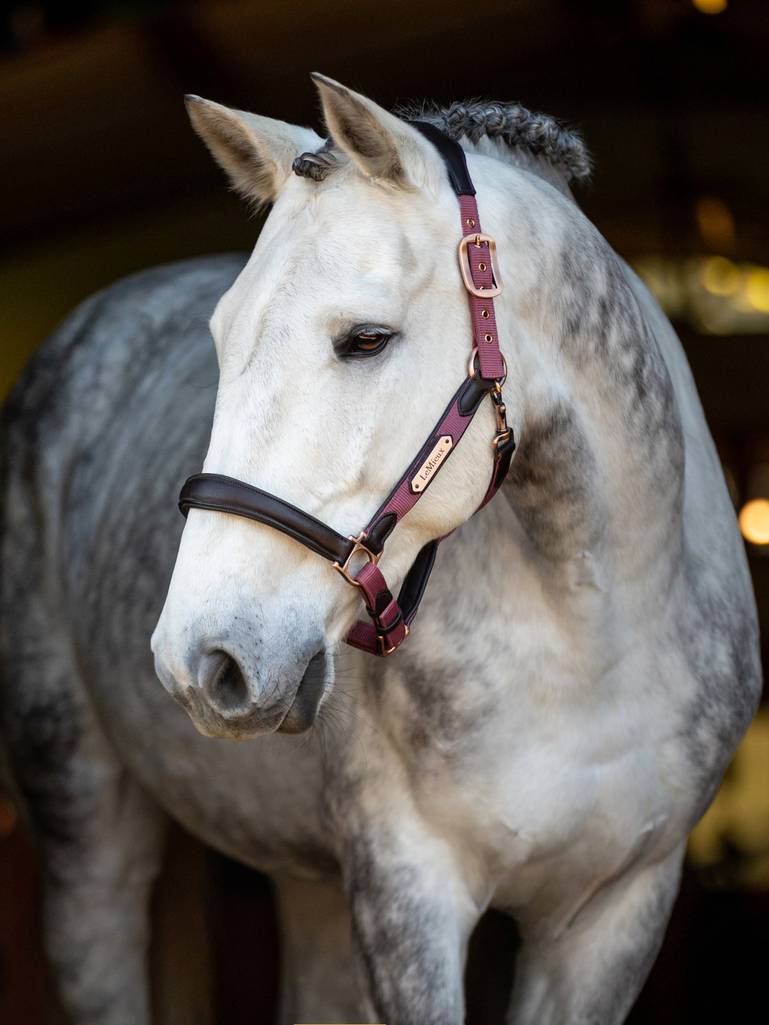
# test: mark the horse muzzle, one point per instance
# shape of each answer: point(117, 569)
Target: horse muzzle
point(220, 696)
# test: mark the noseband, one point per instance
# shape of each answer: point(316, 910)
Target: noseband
point(357, 558)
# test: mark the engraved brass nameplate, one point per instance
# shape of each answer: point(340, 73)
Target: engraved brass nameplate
point(426, 471)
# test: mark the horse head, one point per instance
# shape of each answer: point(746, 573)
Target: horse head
point(338, 346)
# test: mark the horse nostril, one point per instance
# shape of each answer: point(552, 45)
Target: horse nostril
point(227, 688)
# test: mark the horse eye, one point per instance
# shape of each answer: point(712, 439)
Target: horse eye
point(365, 342)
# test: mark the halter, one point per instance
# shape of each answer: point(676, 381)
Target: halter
point(391, 618)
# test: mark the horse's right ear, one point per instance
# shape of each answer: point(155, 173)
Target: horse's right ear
point(256, 152)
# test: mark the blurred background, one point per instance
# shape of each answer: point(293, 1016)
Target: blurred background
point(103, 176)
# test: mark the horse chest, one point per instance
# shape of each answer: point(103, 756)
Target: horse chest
point(544, 789)
point(542, 833)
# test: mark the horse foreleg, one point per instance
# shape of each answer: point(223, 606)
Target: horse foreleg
point(99, 838)
point(412, 917)
point(593, 971)
point(96, 909)
point(319, 982)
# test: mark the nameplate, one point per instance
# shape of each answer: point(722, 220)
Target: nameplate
point(430, 466)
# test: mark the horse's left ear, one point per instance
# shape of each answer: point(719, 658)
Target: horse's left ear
point(256, 152)
point(380, 144)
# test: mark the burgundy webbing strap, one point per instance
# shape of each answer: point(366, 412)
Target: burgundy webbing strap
point(388, 627)
point(422, 470)
point(390, 621)
point(477, 255)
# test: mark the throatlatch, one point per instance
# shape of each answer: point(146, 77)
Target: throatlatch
point(391, 618)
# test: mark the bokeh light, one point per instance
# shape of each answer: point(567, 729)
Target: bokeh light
point(757, 289)
point(754, 521)
point(715, 223)
point(710, 6)
point(720, 276)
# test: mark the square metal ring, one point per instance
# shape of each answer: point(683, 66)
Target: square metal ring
point(358, 548)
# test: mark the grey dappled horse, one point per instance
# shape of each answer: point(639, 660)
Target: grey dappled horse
point(585, 660)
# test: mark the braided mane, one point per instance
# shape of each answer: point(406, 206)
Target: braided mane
point(535, 135)
point(534, 141)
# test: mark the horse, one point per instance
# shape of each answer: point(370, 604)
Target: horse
point(584, 661)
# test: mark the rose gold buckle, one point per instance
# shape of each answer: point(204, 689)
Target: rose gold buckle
point(358, 549)
point(380, 642)
point(478, 242)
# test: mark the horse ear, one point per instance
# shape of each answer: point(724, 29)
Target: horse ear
point(256, 152)
point(380, 144)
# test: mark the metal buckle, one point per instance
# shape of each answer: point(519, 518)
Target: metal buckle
point(500, 412)
point(358, 548)
point(499, 408)
point(479, 241)
point(380, 643)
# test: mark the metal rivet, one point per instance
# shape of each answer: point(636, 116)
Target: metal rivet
point(488, 338)
point(485, 314)
point(481, 266)
point(470, 222)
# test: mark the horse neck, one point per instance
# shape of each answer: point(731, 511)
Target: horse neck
point(599, 469)
point(584, 540)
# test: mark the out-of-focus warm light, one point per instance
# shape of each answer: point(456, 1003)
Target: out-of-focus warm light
point(710, 6)
point(757, 289)
point(754, 521)
point(715, 294)
point(715, 223)
point(720, 276)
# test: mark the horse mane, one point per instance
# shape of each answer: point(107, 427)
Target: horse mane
point(536, 142)
point(507, 131)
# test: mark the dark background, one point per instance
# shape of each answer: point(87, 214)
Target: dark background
point(102, 175)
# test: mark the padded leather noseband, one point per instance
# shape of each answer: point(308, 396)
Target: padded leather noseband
point(226, 494)
point(391, 618)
